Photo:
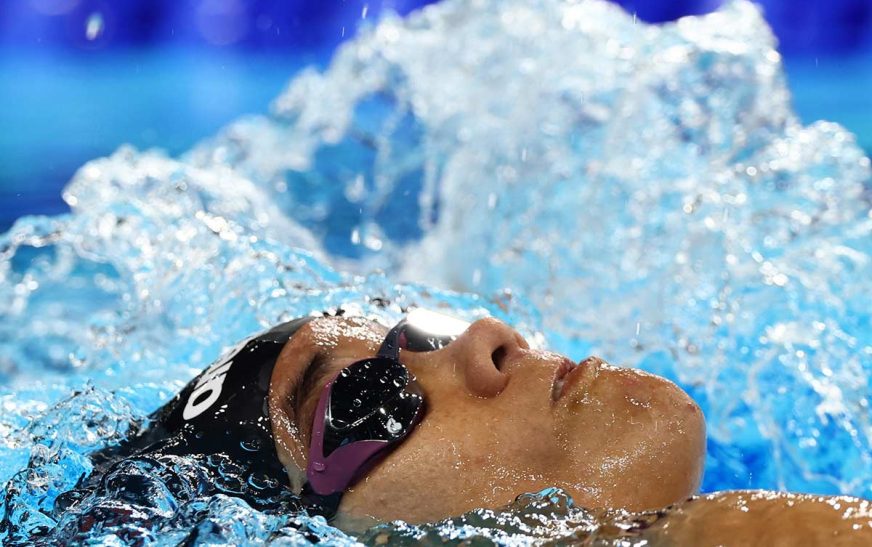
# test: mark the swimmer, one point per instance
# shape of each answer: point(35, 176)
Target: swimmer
point(436, 417)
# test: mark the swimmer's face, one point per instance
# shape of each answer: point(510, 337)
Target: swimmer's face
point(497, 425)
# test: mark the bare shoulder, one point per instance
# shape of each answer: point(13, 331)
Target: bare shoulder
point(765, 518)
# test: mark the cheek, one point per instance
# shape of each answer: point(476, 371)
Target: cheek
point(430, 476)
point(467, 453)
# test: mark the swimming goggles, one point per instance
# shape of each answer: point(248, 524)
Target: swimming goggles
point(368, 409)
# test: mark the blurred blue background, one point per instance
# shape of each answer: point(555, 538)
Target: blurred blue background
point(80, 77)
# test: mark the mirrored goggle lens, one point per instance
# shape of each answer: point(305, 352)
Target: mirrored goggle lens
point(375, 399)
point(393, 421)
point(363, 388)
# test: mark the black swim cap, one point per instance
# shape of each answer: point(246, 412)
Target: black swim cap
point(223, 414)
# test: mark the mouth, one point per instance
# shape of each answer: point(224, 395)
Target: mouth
point(568, 374)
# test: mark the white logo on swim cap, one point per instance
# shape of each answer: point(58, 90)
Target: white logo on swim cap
point(208, 388)
point(197, 404)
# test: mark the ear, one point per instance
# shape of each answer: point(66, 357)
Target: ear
point(291, 364)
point(289, 449)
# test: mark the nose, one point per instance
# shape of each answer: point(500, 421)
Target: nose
point(481, 354)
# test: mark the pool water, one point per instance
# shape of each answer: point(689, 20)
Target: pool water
point(641, 192)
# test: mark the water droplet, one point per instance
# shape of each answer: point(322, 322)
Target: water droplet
point(251, 445)
point(94, 26)
point(262, 482)
point(394, 427)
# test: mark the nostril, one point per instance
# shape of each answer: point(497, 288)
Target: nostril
point(498, 356)
point(487, 351)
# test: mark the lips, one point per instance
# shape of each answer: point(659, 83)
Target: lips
point(566, 366)
point(568, 374)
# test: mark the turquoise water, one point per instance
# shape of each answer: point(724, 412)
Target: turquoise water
point(67, 110)
point(645, 193)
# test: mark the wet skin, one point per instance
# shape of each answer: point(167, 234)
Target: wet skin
point(497, 424)
point(765, 518)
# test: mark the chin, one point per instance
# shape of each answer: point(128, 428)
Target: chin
point(640, 439)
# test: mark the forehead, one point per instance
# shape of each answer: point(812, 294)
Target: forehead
point(331, 333)
point(328, 339)
point(351, 337)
